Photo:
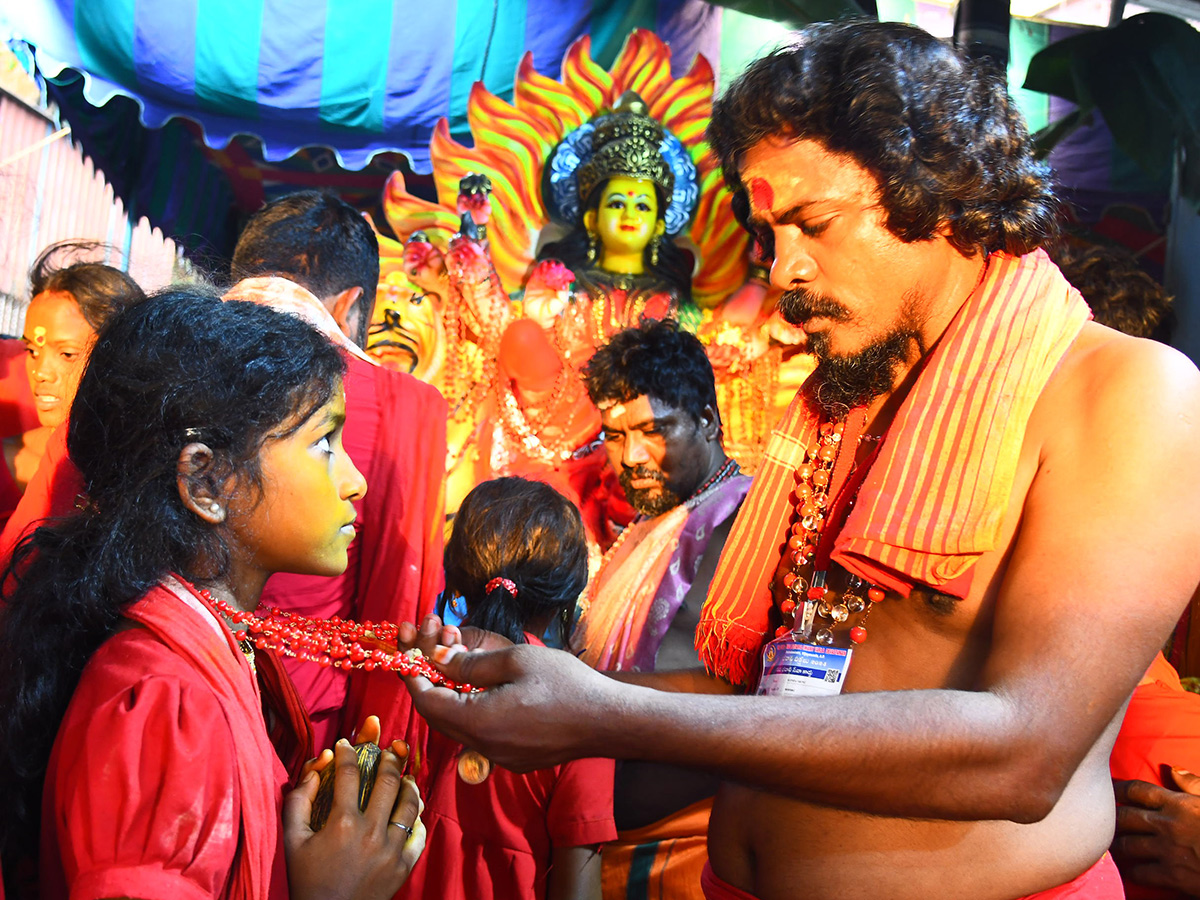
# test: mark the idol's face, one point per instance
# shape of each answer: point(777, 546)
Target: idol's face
point(627, 218)
point(57, 342)
point(407, 337)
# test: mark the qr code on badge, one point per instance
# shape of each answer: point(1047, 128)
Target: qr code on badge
point(831, 675)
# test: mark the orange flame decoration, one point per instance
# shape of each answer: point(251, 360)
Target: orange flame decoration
point(513, 140)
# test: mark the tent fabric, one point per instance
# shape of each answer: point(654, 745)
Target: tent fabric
point(357, 76)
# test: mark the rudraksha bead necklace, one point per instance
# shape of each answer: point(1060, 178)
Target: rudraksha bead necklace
point(814, 598)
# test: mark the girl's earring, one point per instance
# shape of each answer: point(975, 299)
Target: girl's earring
point(591, 250)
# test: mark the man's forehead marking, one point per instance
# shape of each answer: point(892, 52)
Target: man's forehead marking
point(762, 196)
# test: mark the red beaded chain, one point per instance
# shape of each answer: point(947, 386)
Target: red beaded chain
point(335, 642)
point(811, 497)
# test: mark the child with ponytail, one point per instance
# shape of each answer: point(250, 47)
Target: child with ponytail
point(518, 557)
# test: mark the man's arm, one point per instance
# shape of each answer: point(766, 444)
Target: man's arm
point(1104, 561)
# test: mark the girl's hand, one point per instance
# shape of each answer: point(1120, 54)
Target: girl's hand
point(358, 855)
point(433, 634)
point(369, 733)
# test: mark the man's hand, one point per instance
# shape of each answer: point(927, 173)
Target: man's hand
point(1157, 841)
point(358, 855)
point(530, 716)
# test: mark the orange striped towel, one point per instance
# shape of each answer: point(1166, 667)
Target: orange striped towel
point(936, 495)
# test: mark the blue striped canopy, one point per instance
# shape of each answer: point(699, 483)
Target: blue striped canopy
point(358, 76)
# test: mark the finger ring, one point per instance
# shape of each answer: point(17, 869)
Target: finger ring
point(407, 828)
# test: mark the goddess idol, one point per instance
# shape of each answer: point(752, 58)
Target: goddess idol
point(602, 207)
point(627, 187)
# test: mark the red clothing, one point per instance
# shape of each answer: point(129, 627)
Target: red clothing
point(396, 435)
point(495, 839)
point(18, 413)
point(10, 496)
point(52, 492)
point(1161, 729)
point(1100, 882)
point(162, 782)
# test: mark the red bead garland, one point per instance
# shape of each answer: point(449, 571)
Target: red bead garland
point(335, 642)
point(810, 600)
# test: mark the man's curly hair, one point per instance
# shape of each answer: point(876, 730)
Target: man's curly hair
point(938, 131)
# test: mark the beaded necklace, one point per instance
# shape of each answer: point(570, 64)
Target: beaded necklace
point(526, 433)
point(728, 469)
point(330, 643)
point(824, 471)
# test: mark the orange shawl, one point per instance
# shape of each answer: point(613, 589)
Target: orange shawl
point(936, 495)
point(613, 624)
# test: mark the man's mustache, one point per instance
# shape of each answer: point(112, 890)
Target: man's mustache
point(640, 473)
point(799, 304)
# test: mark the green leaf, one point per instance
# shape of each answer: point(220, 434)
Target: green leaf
point(1142, 75)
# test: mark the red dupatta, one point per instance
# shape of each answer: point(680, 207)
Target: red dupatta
point(176, 616)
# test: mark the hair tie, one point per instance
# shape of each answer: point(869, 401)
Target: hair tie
point(500, 582)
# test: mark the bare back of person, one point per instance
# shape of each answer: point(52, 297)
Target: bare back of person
point(781, 848)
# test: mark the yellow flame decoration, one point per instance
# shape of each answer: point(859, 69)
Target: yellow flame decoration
point(512, 142)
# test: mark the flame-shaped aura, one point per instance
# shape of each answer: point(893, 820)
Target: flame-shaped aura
point(512, 142)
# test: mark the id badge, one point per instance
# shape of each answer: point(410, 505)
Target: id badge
point(793, 668)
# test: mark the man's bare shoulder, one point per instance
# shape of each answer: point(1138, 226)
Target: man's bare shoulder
point(1111, 379)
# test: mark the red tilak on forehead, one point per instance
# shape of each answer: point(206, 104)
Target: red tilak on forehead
point(762, 197)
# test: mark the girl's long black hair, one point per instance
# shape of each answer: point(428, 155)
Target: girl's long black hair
point(526, 532)
point(180, 367)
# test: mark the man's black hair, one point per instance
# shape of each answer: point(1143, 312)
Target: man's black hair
point(937, 130)
point(655, 358)
point(316, 240)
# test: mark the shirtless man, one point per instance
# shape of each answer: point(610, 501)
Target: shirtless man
point(1028, 523)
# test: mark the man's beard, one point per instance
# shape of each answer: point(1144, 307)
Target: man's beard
point(647, 501)
point(841, 383)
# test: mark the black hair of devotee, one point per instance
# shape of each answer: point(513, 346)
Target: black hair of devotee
point(178, 368)
point(655, 358)
point(101, 291)
point(938, 131)
point(1121, 294)
point(532, 535)
point(316, 240)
